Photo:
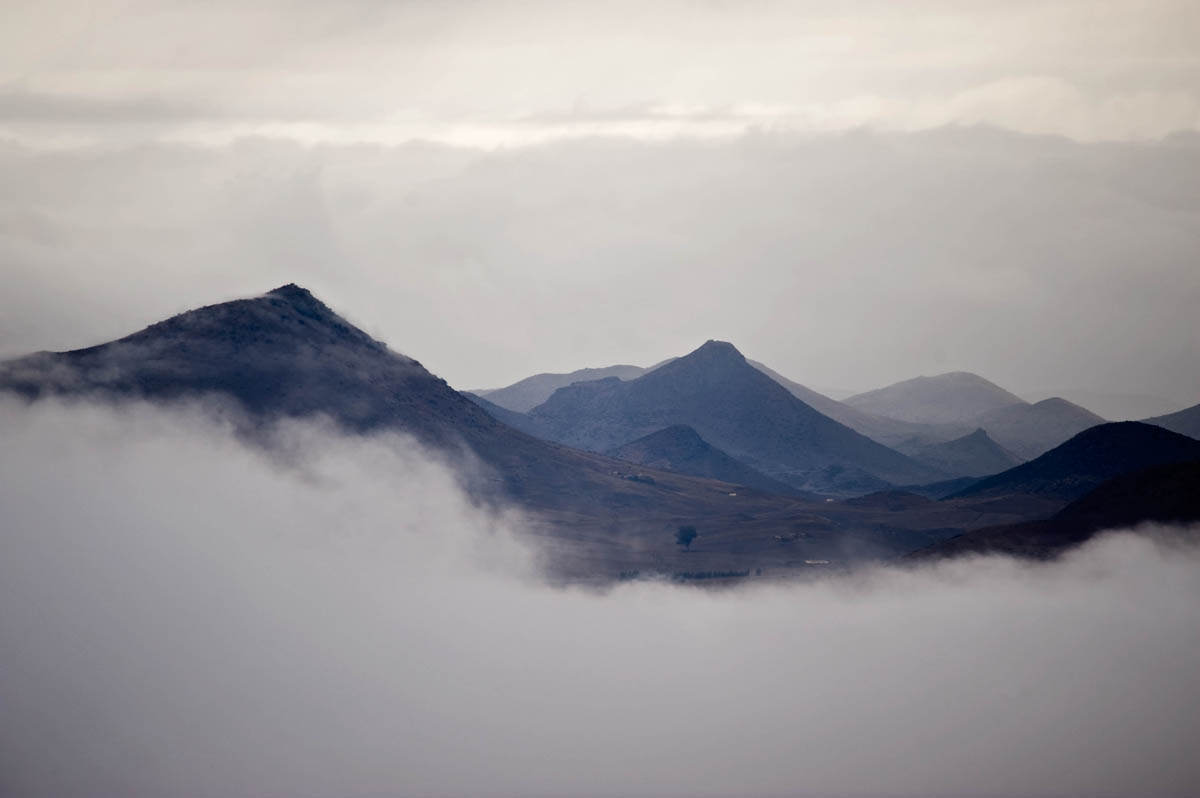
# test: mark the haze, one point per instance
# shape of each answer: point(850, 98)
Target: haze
point(184, 616)
point(853, 196)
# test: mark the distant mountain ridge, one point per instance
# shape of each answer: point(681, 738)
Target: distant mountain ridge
point(526, 394)
point(974, 455)
point(957, 397)
point(734, 407)
point(1185, 422)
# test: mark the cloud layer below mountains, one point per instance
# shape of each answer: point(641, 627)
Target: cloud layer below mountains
point(180, 615)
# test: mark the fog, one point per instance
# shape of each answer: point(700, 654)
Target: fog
point(184, 616)
point(842, 261)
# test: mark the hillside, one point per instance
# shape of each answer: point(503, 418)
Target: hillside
point(1030, 430)
point(286, 355)
point(526, 394)
point(1185, 422)
point(1166, 493)
point(679, 448)
point(955, 398)
point(973, 455)
point(736, 408)
point(1090, 458)
point(890, 432)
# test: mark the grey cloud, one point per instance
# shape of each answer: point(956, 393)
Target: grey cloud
point(27, 106)
point(180, 616)
point(850, 260)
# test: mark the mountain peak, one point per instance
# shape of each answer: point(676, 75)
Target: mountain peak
point(717, 351)
point(300, 298)
point(291, 290)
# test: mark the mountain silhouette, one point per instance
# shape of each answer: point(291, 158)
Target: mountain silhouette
point(734, 407)
point(1030, 430)
point(1091, 457)
point(1185, 422)
point(973, 455)
point(287, 355)
point(1166, 493)
point(526, 394)
point(890, 432)
point(958, 397)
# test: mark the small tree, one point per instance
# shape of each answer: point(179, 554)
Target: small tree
point(685, 535)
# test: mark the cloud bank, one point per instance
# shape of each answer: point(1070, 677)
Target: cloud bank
point(844, 261)
point(181, 616)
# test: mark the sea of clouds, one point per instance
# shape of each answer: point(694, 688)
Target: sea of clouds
point(185, 615)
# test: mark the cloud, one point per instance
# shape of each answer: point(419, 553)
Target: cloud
point(505, 75)
point(849, 260)
point(183, 616)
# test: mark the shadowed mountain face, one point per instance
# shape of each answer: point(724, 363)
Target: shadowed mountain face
point(1167, 494)
point(955, 398)
point(736, 408)
point(974, 455)
point(530, 392)
point(1185, 422)
point(679, 448)
point(1091, 457)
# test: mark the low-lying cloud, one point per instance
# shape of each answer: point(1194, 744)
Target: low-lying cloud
point(183, 616)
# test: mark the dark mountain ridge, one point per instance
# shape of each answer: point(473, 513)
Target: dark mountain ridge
point(1071, 470)
point(1165, 493)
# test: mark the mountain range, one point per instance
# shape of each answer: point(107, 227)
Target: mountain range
point(913, 417)
point(734, 407)
point(607, 469)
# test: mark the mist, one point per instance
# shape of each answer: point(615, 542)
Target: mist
point(181, 615)
point(844, 261)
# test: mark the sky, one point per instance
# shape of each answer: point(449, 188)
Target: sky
point(184, 616)
point(853, 193)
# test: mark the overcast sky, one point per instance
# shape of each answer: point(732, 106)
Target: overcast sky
point(499, 189)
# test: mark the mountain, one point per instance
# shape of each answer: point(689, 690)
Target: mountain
point(734, 407)
point(973, 455)
point(1091, 457)
point(1185, 422)
point(1112, 405)
point(1030, 430)
point(1166, 494)
point(680, 448)
point(955, 398)
point(888, 431)
point(502, 414)
point(530, 392)
point(285, 354)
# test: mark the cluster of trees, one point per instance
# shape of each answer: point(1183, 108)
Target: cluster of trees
point(685, 535)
